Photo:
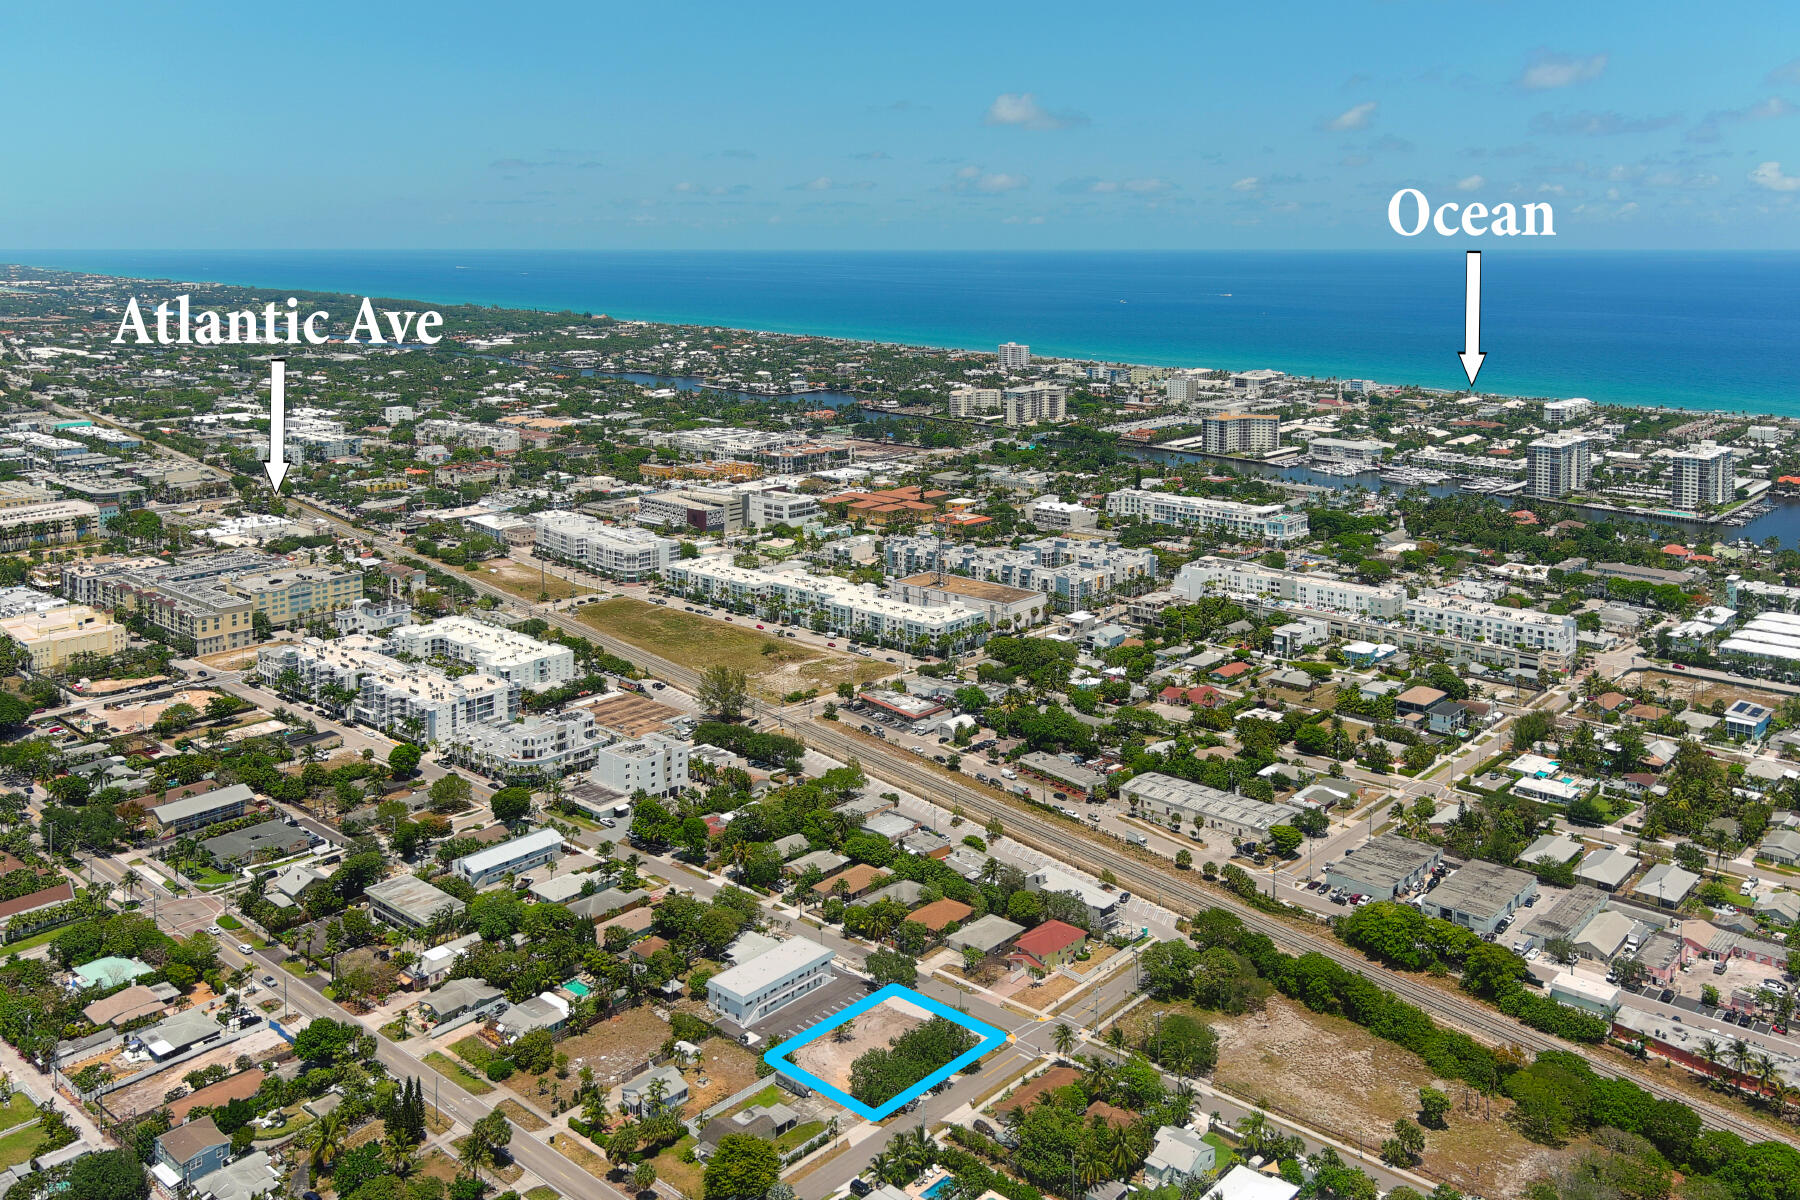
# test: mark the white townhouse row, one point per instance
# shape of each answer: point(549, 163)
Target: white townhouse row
point(513, 656)
point(1069, 568)
point(391, 695)
point(1274, 524)
point(843, 606)
point(621, 552)
point(1211, 575)
point(1475, 621)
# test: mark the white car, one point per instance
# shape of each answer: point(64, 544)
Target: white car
point(246, 948)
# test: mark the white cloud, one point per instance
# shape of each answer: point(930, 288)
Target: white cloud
point(1353, 118)
point(1017, 220)
point(1136, 186)
point(1023, 110)
point(1549, 71)
point(1470, 183)
point(1248, 183)
point(821, 184)
point(999, 181)
point(1768, 175)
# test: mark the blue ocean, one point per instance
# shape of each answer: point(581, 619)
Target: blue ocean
point(1696, 330)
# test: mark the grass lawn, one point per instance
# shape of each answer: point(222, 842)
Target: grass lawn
point(685, 637)
point(227, 921)
point(522, 579)
point(543, 1191)
point(32, 942)
point(20, 1145)
point(1223, 1153)
point(458, 1074)
point(521, 1116)
point(686, 1178)
point(17, 1111)
point(582, 1155)
point(473, 1051)
point(798, 1136)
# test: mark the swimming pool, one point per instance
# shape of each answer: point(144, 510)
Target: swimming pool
point(577, 987)
point(931, 1193)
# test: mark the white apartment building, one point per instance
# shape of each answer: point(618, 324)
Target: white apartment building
point(394, 414)
point(781, 508)
point(1704, 474)
point(1558, 464)
point(618, 552)
point(1241, 433)
point(1040, 403)
point(391, 695)
point(969, 402)
point(1354, 452)
point(552, 745)
point(841, 606)
point(654, 764)
point(777, 977)
point(506, 653)
point(1170, 800)
point(1565, 412)
point(1473, 621)
point(1273, 524)
point(502, 438)
point(1047, 512)
point(522, 853)
point(1253, 581)
point(1013, 356)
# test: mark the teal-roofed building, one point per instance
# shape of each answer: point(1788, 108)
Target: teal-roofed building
point(111, 971)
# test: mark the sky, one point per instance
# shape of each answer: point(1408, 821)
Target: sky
point(995, 126)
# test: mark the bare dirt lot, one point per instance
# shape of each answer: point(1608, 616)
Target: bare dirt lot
point(829, 1057)
point(133, 715)
point(1336, 1077)
point(147, 1094)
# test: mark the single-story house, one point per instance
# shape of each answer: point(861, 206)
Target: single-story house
point(656, 1090)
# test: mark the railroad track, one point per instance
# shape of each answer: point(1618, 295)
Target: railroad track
point(1179, 892)
point(1174, 889)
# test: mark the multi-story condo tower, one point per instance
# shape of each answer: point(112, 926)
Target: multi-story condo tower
point(1241, 433)
point(1703, 475)
point(1558, 464)
point(1014, 357)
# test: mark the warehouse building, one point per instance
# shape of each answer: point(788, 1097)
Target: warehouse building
point(1480, 896)
point(1384, 867)
point(1167, 799)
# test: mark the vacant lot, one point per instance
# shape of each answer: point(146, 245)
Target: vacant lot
point(523, 579)
point(829, 1057)
point(727, 1067)
point(1334, 1076)
point(688, 638)
point(134, 715)
point(134, 1100)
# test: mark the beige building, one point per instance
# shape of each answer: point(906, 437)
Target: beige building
point(56, 635)
point(52, 523)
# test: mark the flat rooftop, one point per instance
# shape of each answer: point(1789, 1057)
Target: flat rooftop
point(975, 589)
point(1384, 861)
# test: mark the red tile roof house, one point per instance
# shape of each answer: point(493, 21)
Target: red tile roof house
point(1051, 945)
point(1231, 670)
point(1172, 695)
point(1203, 697)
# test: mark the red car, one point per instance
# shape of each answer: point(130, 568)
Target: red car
point(759, 626)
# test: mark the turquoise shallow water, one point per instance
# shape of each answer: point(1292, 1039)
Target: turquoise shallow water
point(1712, 330)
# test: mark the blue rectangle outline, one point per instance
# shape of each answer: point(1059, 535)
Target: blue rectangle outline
point(991, 1039)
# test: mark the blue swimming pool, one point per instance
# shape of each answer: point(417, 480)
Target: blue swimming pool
point(931, 1193)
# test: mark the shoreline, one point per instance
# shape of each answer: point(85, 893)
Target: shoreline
point(1106, 328)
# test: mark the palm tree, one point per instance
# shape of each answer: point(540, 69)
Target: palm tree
point(400, 1158)
point(326, 1139)
point(1063, 1038)
point(1739, 1055)
point(1710, 1053)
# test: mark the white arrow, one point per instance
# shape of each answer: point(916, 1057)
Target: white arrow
point(276, 468)
point(1471, 352)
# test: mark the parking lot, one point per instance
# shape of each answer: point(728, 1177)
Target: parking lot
point(803, 1014)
